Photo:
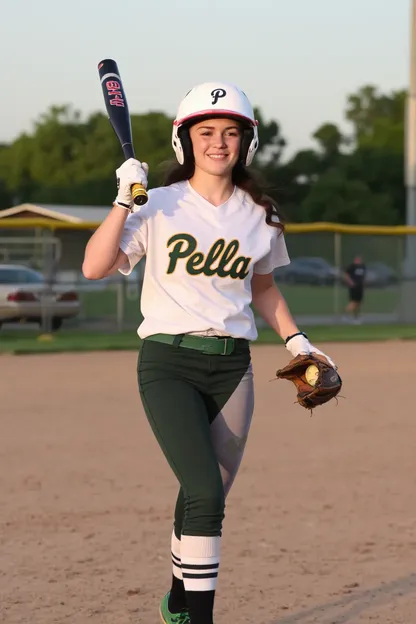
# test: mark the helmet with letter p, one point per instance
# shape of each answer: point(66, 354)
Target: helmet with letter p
point(215, 99)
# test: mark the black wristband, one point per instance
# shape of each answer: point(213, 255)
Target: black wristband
point(126, 206)
point(297, 334)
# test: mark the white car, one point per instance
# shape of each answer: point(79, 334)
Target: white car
point(26, 296)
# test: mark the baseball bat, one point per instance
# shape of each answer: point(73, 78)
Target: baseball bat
point(119, 116)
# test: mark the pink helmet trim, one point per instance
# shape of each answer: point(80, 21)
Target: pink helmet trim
point(215, 113)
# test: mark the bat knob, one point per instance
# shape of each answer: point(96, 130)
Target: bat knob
point(139, 194)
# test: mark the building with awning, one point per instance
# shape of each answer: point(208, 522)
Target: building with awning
point(27, 230)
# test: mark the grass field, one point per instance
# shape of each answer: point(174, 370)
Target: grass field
point(23, 342)
point(326, 299)
point(305, 300)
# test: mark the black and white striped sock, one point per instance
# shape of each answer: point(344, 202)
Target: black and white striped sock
point(200, 560)
point(176, 556)
point(177, 597)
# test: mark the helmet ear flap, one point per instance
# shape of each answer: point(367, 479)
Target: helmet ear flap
point(182, 144)
point(249, 145)
point(185, 139)
point(177, 145)
point(246, 139)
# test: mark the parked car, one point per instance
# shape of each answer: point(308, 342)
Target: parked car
point(307, 270)
point(380, 274)
point(26, 296)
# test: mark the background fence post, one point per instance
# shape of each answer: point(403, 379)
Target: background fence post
point(338, 266)
point(120, 305)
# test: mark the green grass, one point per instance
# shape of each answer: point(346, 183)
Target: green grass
point(310, 300)
point(21, 342)
point(103, 305)
point(302, 300)
point(348, 333)
point(24, 342)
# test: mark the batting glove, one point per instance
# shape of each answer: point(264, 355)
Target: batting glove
point(131, 172)
point(299, 343)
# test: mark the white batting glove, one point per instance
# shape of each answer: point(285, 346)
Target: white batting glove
point(299, 343)
point(131, 172)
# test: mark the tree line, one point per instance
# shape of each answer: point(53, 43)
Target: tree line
point(355, 178)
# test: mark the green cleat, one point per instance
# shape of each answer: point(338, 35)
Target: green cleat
point(172, 618)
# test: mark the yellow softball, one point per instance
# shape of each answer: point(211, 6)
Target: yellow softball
point(311, 374)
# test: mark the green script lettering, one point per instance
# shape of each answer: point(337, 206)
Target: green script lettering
point(213, 255)
point(177, 252)
point(228, 264)
point(227, 256)
point(239, 270)
point(192, 265)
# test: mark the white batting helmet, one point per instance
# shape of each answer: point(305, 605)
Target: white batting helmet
point(215, 99)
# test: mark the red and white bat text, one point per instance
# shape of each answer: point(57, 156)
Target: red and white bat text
point(114, 93)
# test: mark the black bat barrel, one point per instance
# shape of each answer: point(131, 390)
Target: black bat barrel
point(119, 116)
point(116, 104)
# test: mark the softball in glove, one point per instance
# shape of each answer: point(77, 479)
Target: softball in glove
point(326, 382)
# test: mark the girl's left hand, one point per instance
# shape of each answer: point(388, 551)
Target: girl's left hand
point(299, 343)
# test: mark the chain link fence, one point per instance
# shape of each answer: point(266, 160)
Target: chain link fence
point(109, 305)
point(42, 253)
point(317, 294)
point(312, 284)
point(28, 269)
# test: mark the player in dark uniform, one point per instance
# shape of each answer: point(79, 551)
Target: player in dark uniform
point(355, 278)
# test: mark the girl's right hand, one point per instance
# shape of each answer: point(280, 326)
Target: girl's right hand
point(131, 172)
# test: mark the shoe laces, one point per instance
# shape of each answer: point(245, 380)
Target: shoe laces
point(182, 618)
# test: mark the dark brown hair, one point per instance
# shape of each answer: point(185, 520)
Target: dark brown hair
point(241, 177)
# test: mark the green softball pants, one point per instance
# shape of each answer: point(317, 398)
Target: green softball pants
point(199, 407)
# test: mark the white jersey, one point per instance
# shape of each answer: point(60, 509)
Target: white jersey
point(200, 260)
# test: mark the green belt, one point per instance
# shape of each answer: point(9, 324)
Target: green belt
point(206, 344)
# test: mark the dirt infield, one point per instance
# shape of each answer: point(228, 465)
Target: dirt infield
point(320, 524)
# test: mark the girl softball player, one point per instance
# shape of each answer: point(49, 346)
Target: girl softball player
point(212, 240)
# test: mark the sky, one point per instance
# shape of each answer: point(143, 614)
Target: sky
point(297, 60)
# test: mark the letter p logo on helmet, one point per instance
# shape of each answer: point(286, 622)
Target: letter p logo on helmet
point(217, 94)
